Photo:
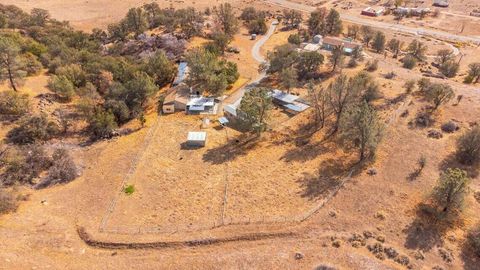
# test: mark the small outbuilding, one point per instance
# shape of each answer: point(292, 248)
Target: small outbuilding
point(197, 138)
point(441, 3)
point(372, 12)
point(181, 73)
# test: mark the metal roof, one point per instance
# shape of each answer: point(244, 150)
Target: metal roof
point(284, 97)
point(297, 106)
point(197, 136)
point(181, 73)
point(201, 101)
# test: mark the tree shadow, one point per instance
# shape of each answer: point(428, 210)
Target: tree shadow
point(451, 162)
point(305, 153)
point(234, 148)
point(428, 228)
point(327, 179)
point(471, 261)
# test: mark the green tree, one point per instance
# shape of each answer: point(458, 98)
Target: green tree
point(258, 26)
point(288, 78)
point(449, 68)
point(353, 31)
point(226, 19)
point(361, 127)
point(254, 108)
point(282, 57)
point(136, 20)
point(439, 94)
point(138, 91)
point(409, 61)
point(443, 56)
point(295, 39)
point(379, 42)
point(468, 147)
point(333, 23)
point(316, 22)
point(367, 34)
point(450, 191)
point(101, 124)
point(62, 86)
point(395, 46)
point(160, 68)
point(32, 129)
point(39, 17)
point(190, 21)
point(417, 49)
point(249, 14)
point(292, 18)
point(337, 57)
point(74, 73)
point(473, 73)
point(309, 62)
point(11, 68)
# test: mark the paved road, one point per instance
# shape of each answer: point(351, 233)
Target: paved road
point(256, 48)
point(383, 25)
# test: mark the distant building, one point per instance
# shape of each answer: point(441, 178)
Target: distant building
point(311, 47)
point(181, 73)
point(329, 43)
point(201, 105)
point(176, 99)
point(441, 3)
point(369, 11)
point(290, 103)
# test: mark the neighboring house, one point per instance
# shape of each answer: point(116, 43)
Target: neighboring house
point(176, 99)
point(329, 43)
point(181, 73)
point(441, 3)
point(369, 11)
point(290, 103)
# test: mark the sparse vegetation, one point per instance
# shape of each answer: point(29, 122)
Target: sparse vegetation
point(33, 129)
point(468, 147)
point(474, 240)
point(14, 104)
point(449, 194)
point(8, 203)
point(473, 73)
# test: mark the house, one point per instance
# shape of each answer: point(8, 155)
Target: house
point(176, 99)
point(369, 11)
point(329, 43)
point(290, 103)
point(201, 105)
point(197, 139)
point(441, 3)
point(181, 73)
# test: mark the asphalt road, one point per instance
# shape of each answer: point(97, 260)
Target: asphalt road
point(384, 25)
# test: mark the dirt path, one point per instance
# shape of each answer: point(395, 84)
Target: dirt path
point(383, 25)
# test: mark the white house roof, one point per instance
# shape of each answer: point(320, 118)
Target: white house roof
point(200, 101)
point(284, 97)
point(311, 47)
point(197, 136)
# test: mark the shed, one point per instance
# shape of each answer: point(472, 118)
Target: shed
point(317, 39)
point(441, 3)
point(196, 138)
point(311, 47)
point(176, 99)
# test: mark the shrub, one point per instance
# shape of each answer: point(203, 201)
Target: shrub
point(474, 240)
point(8, 203)
point(450, 191)
point(450, 127)
point(409, 86)
point(102, 124)
point(449, 68)
point(33, 129)
point(294, 39)
point(129, 190)
point(13, 103)
point(372, 66)
point(468, 147)
point(62, 86)
point(63, 169)
point(409, 62)
point(24, 164)
point(119, 109)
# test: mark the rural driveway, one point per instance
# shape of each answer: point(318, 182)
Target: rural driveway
point(383, 25)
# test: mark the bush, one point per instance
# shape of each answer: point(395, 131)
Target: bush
point(449, 68)
point(33, 129)
point(13, 103)
point(62, 86)
point(450, 127)
point(24, 164)
point(409, 62)
point(63, 169)
point(468, 147)
point(129, 190)
point(74, 73)
point(295, 39)
point(450, 191)
point(119, 109)
point(102, 124)
point(8, 203)
point(372, 66)
point(474, 240)
point(409, 86)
